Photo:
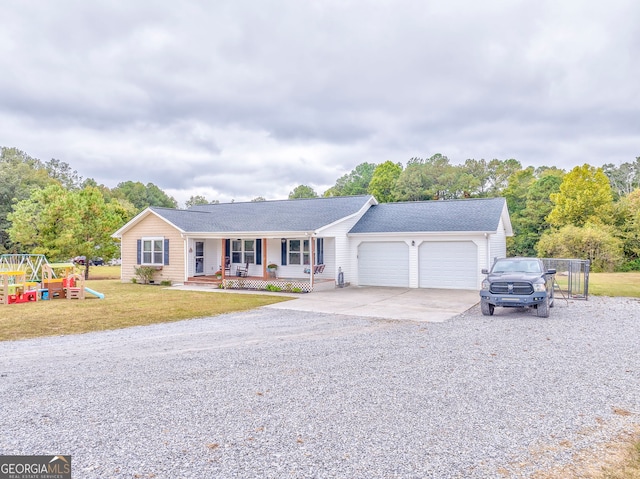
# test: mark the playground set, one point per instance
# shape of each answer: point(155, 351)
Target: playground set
point(26, 278)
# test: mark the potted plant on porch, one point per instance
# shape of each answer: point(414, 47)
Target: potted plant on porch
point(271, 269)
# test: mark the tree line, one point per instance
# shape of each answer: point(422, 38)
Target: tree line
point(589, 212)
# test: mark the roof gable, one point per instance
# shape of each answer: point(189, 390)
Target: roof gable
point(478, 214)
point(141, 216)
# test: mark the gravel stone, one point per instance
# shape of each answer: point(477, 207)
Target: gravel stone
point(278, 393)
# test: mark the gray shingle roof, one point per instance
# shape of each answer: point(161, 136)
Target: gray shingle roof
point(432, 216)
point(264, 216)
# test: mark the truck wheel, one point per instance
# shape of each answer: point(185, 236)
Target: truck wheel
point(543, 308)
point(486, 307)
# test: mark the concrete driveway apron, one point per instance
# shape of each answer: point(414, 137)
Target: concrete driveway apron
point(429, 305)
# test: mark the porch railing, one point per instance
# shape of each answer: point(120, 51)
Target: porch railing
point(284, 285)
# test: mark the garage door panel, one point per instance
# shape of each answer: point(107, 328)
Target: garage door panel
point(448, 265)
point(383, 263)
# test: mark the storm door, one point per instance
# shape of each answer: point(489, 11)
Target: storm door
point(199, 257)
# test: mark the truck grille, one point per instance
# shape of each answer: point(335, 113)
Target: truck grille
point(518, 288)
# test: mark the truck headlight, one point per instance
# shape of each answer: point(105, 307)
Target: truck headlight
point(485, 285)
point(539, 288)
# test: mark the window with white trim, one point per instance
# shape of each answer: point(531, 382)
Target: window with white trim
point(250, 251)
point(298, 251)
point(236, 251)
point(243, 251)
point(153, 251)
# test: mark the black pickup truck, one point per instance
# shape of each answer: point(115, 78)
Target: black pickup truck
point(518, 283)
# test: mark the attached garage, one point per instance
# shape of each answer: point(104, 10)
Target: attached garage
point(428, 244)
point(448, 264)
point(383, 263)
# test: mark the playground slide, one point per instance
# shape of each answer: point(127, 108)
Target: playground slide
point(95, 293)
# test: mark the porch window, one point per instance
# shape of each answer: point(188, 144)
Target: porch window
point(236, 251)
point(153, 251)
point(249, 251)
point(243, 251)
point(298, 251)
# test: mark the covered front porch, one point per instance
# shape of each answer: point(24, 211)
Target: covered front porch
point(295, 264)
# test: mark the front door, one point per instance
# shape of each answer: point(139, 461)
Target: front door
point(199, 257)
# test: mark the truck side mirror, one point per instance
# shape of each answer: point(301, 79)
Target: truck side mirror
point(484, 271)
point(551, 271)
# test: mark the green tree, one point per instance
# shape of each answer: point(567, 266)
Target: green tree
point(258, 199)
point(625, 178)
point(440, 176)
point(595, 242)
point(499, 172)
point(302, 191)
point(413, 183)
point(354, 183)
point(530, 223)
point(383, 181)
point(628, 209)
point(478, 173)
point(431, 179)
point(62, 224)
point(107, 193)
point(518, 185)
point(20, 175)
point(196, 200)
point(62, 172)
point(584, 197)
point(142, 196)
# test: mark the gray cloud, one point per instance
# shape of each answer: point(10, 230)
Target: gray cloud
point(244, 99)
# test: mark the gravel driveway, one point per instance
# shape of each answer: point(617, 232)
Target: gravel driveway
point(272, 394)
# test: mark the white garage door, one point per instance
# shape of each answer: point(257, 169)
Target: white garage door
point(449, 265)
point(383, 264)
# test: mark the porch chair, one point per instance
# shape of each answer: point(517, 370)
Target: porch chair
point(317, 269)
point(243, 272)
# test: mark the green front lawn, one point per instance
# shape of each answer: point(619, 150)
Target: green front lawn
point(124, 305)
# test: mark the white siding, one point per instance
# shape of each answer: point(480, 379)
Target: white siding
point(330, 270)
point(344, 254)
point(212, 256)
point(497, 244)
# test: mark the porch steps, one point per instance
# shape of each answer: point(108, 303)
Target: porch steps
point(203, 281)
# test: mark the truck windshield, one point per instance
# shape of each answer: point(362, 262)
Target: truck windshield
point(516, 266)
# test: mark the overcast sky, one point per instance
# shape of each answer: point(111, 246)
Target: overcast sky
point(234, 99)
